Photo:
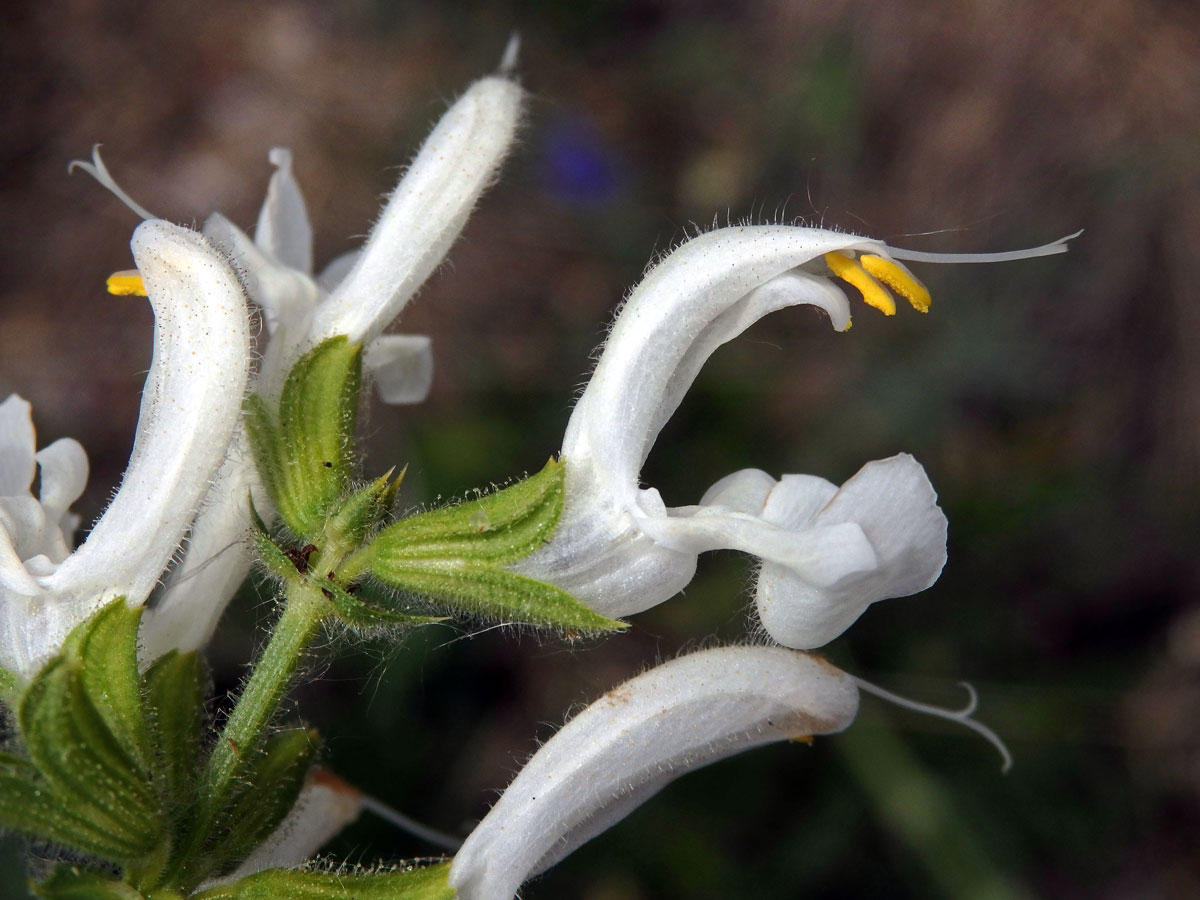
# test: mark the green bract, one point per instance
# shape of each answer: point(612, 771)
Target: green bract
point(410, 883)
point(458, 556)
point(304, 449)
point(88, 781)
point(112, 769)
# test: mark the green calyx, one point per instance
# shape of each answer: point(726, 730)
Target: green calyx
point(405, 883)
point(111, 769)
point(88, 781)
point(460, 555)
point(304, 449)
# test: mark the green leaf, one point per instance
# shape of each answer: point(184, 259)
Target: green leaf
point(368, 617)
point(273, 784)
point(409, 883)
point(499, 528)
point(175, 687)
point(71, 883)
point(304, 451)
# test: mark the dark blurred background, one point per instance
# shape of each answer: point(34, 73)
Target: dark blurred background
point(1054, 402)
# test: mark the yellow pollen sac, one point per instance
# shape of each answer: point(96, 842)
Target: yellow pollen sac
point(126, 283)
point(898, 279)
point(874, 293)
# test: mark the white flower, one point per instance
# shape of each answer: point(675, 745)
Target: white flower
point(636, 739)
point(190, 404)
point(620, 549)
point(357, 295)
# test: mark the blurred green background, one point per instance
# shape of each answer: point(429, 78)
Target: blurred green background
point(1054, 402)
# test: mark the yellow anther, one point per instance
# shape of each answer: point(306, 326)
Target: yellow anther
point(874, 293)
point(126, 283)
point(899, 279)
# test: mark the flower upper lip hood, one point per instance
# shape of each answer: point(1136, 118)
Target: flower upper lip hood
point(622, 749)
point(358, 295)
point(620, 549)
point(190, 405)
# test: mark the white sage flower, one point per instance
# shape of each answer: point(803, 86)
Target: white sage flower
point(621, 550)
point(190, 405)
point(357, 295)
point(635, 740)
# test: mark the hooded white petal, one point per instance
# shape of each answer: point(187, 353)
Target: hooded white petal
point(894, 504)
point(190, 404)
point(425, 213)
point(637, 738)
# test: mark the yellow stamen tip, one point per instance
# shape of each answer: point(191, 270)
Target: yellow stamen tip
point(899, 279)
point(126, 283)
point(873, 293)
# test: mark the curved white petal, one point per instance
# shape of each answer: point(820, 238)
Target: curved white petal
point(17, 446)
point(425, 213)
point(190, 405)
point(616, 753)
point(401, 366)
point(35, 533)
point(896, 507)
point(744, 491)
point(700, 296)
point(283, 229)
point(64, 474)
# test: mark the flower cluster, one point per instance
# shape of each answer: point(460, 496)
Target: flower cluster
point(593, 534)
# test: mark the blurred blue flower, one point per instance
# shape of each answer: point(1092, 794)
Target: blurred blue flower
point(577, 168)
